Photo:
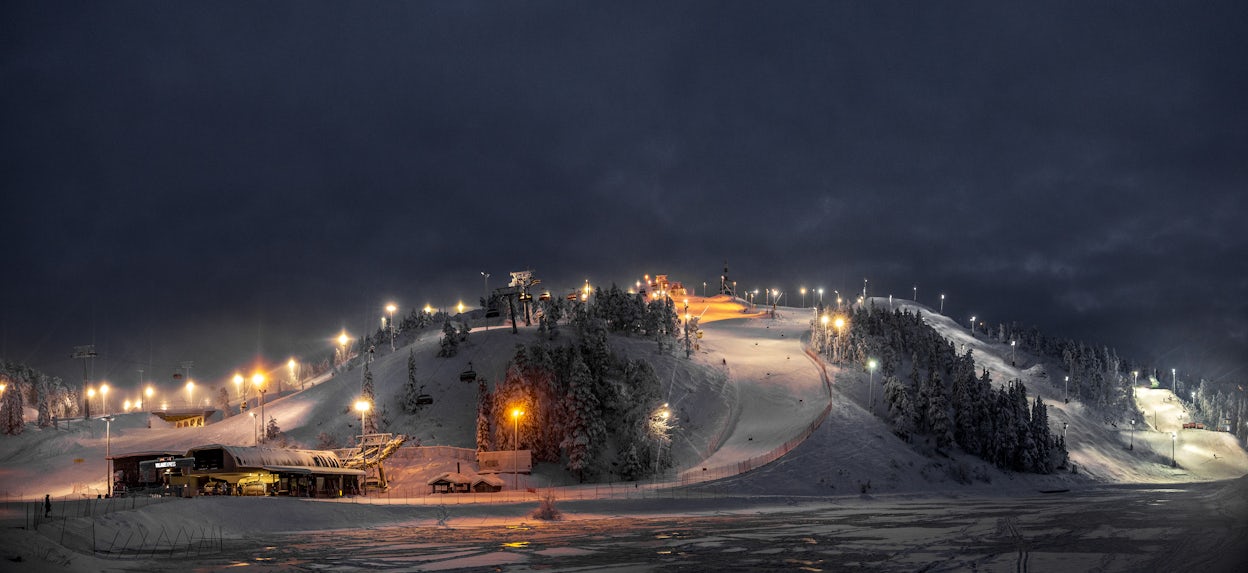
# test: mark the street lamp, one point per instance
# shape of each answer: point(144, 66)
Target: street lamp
point(1064, 426)
point(291, 364)
point(257, 380)
point(1135, 382)
point(460, 307)
point(871, 364)
point(90, 397)
point(104, 397)
point(148, 393)
point(1174, 381)
point(820, 295)
point(1173, 438)
point(942, 303)
point(238, 385)
point(190, 392)
point(916, 293)
point(390, 308)
point(803, 290)
point(972, 326)
point(108, 462)
point(515, 447)
point(342, 342)
point(1013, 343)
point(255, 433)
point(1067, 393)
point(1132, 447)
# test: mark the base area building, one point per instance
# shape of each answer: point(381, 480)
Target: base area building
point(247, 470)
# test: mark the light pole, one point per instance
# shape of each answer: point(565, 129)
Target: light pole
point(1013, 343)
point(1066, 395)
point(703, 289)
point(942, 303)
point(238, 386)
point(190, 393)
point(292, 365)
point(90, 398)
point(255, 433)
point(390, 308)
point(515, 448)
point(1135, 383)
point(1174, 381)
point(820, 295)
point(871, 391)
point(108, 462)
point(916, 293)
point(1132, 447)
point(362, 406)
point(104, 398)
point(864, 290)
point(824, 321)
point(839, 323)
point(1173, 438)
point(257, 380)
point(1064, 426)
point(972, 326)
point(803, 290)
point(148, 393)
point(342, 343)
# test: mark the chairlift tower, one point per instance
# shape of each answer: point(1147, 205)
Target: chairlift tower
point(85, 352)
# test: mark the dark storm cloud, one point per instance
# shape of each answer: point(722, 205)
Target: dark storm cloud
point(215, 182)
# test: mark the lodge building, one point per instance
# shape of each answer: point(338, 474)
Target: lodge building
point(241, 470)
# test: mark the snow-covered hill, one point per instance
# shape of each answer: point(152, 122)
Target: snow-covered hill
point(747, 391)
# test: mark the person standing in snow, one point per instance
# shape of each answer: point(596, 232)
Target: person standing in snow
point(47, 505)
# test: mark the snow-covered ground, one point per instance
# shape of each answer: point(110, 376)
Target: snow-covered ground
point(749, 389)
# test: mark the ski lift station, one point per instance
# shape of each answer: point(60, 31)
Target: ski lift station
point(239, 470)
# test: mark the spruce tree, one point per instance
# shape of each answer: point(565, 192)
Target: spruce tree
point(367, 394)
point(11, 405)
point(410, 390)
point(583, 428)
point(485, 407)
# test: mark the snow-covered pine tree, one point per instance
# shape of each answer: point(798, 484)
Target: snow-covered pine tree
point(1026, 456)
point(272, 432)
point(1041, 436)
point(44, 395)
point(485, 407)
point(938, 418)
point(449, 345)
point(964, 431)
point(583, 428)
point(631, 466)
point(368, 394)
point(410, 390)
point(900, 408)
point(11, 406)
point(223, 401)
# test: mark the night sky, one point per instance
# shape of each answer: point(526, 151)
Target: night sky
point(233, 183)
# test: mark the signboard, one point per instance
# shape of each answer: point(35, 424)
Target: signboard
point(505, 462)
point(520, 278)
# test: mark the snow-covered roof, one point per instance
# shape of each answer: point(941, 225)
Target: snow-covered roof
point(153, 453)
point(313, 470)
point(490, 480)
point(263, 456)
point(453, 477)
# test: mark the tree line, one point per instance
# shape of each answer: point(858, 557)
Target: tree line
point(941, 401)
